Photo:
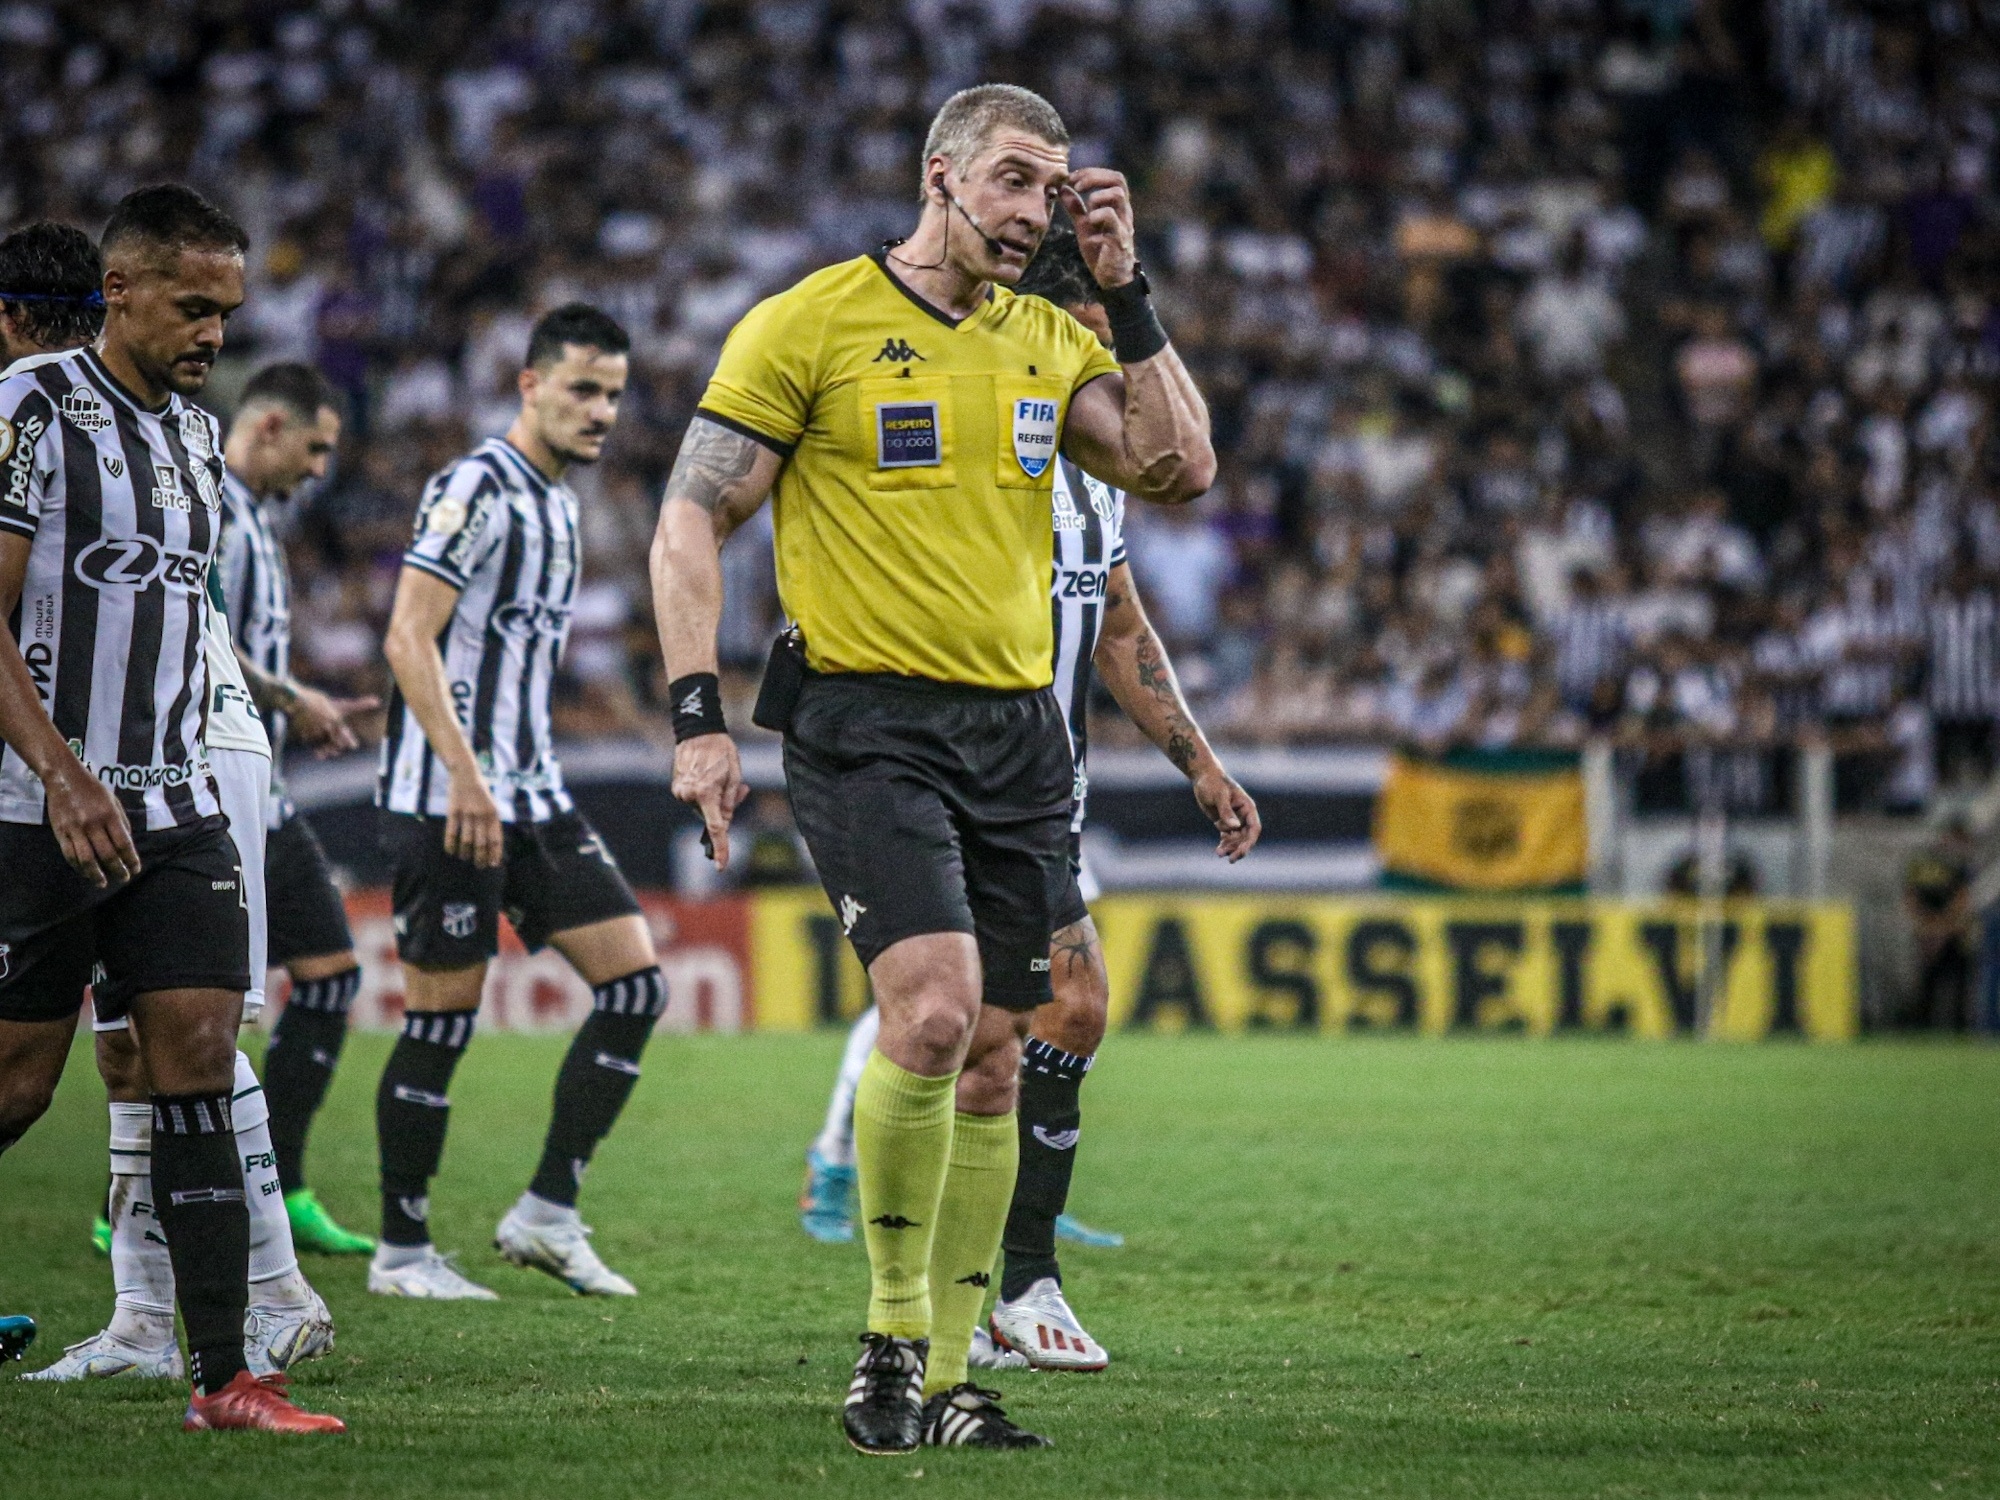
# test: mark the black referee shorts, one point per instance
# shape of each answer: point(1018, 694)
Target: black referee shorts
point(179, 924)
point(553, 876)
point(303, 910)
point(932, 807)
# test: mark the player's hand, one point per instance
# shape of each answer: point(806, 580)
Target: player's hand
point(320, 720)
point(472, 823)
point(1100, 205)
point(90, 827)
point(1232, 810)
point(708, 776)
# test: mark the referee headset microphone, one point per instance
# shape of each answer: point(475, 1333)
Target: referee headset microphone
point(993, 246)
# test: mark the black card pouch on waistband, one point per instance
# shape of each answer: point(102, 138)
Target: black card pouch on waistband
point(784, 679)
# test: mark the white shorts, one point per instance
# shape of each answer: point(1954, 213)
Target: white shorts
point(242, 778)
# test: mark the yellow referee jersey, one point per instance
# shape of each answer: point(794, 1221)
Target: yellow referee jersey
point(913, 509)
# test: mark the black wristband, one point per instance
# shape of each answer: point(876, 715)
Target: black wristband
point(697, 705)
point(1136, 333)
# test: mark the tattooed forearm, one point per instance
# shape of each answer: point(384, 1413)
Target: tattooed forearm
point(712, 462)
point(1075, 946)
point(1163, 713)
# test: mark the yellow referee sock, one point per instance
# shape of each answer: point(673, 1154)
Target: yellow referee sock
point(985, 1153)
point(902, 1143)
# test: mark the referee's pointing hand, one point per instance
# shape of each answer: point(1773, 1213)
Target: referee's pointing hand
point(709, 776)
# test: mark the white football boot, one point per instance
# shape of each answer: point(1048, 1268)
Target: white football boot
point(277, 1336)
point(563, 1250)
point(105, 1354)
point(1039, 1326)
point(432, 1277)
point(987, 1355)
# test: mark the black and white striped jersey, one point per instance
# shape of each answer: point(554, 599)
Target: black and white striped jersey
point(121, 507)
point(1963, 669)
point(494, 528)
point(1090, 542)
point(257, 598)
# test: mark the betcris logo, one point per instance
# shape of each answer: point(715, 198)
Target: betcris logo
point(138, 562)
point(1034, 435)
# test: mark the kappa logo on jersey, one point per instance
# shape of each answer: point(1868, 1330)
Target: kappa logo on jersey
point(897, 352)
point(137, 562)
point(167, 491)
point(1034, 435)
point(906, 435)
point(459, 919)
point(20, 461)
point(1058, 1140)
point(85, 412)
point(850, 912)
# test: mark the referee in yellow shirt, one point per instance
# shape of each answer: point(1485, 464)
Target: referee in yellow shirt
point(906, 408)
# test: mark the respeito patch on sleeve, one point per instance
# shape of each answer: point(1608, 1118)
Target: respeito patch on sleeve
point(906, 435)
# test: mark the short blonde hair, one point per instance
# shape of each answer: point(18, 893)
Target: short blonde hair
point(967, 120)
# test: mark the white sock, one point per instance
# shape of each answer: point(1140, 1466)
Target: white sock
point(394, 1257)
point(836, 1137)
point(141, 1272)
point(272, 1256)
point(530, 1209)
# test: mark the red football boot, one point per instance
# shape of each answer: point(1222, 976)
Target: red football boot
point(249, 1404)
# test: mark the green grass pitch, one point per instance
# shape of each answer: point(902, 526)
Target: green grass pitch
point(1385, 1267)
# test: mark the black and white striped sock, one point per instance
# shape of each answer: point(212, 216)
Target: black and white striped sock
point(298, 1065)
point(597, 1077)
point(198, 1198)
point(411, 1112)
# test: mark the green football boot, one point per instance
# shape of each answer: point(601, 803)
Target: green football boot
point(100, 1235)
point(313, 1228)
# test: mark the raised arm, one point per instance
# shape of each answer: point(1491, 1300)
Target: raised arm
point(718, 481)
point(1133, 663)
point(423, 608)
point(83, 814)
point(1145, 430)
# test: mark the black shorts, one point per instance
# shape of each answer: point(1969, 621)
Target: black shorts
point(179, 924)
point(936, 808)
point(552, 876)
point(303, 910)
point(1072, 908)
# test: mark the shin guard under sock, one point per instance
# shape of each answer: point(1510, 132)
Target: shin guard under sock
point(902, 1148)
point(1050, 1111)
point(411, 1112)
point(598, 1075)
point(298, 1065)
point(198, 1192)
point(977, 1190)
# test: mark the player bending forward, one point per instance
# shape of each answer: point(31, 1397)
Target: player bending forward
point(112, 829)
point(908, 409)
point(1098, 617)
point(477, 819)
point(287, 1321)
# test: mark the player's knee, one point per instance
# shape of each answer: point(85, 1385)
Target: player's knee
point(25, 1096)
point(1075, 1020)
point(119, 1065)
point(942, 1021)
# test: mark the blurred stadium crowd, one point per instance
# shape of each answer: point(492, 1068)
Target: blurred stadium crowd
point(1577, 366)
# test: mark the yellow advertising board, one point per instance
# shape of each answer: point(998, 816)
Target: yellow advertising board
point(1536, 966)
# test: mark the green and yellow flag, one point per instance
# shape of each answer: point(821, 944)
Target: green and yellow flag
point(1483, 820)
